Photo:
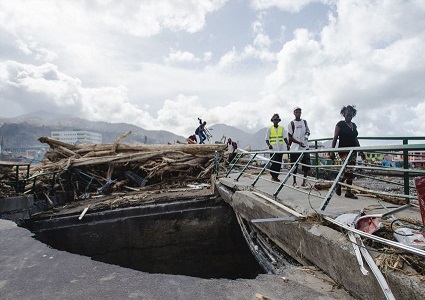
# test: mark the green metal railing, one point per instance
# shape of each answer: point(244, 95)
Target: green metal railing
point(20, 176)
point(404, 139)
point(259, 161)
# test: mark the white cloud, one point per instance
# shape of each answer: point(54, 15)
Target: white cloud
point(257, 50)
point(44, 82)
point(229, 59)
point(181, 113)
point(368, 55)
point(287, 5)
point(176, 56)
point(32, 48)
point(261, 39)
point(35, 87)
point(140, 18)
point(108, 60)
point(188, 15)
point(87, 32)
point(147, 18)
point(207, 56)
point(23, 47)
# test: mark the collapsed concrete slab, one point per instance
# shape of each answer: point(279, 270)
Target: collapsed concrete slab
point(312, 243)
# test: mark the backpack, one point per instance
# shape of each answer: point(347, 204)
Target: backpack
point(293, 129)
point(197, 130)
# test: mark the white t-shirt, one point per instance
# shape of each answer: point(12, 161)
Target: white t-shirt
point(298, 133)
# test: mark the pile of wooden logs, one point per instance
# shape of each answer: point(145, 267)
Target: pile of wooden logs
point(102, 168)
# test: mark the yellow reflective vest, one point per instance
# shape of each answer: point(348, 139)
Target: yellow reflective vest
point(273, 135)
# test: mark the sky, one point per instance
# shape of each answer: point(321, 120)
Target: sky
point(161, 64)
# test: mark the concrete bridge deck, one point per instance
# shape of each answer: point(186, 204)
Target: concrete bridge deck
point(306, 200)
point(30, 269)
point(317, 243)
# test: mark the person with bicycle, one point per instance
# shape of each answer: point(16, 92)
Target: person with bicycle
point(200, 131)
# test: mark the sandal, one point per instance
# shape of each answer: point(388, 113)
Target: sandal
point(350, 195)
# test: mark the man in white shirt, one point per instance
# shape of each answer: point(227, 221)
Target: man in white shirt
point(298, 133)
point(232, 149)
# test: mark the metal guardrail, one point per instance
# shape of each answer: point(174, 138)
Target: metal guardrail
point(257, 162)
point(18, 182)
point(404, 139)
point(23, 183)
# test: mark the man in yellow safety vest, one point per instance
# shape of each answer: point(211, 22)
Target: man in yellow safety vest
point(275, 139)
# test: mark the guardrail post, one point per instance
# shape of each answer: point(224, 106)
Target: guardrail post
point(406, 166)
point(291, 172)
point(317, 160)
point(33, 184)
point(335, 183)
point(262, 171)
point(52, 185)
point(236, 159)
point(246, 166)
point(216, 162)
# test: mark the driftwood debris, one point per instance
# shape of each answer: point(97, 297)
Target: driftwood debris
point(103, 168)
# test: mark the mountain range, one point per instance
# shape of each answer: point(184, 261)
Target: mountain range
point(24, 131)
point(245, 140)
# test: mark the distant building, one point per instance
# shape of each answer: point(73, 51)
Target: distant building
point(29, 154)
point(77, 137)
point(416, 158)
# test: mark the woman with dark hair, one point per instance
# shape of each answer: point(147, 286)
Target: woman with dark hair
point(346, 133)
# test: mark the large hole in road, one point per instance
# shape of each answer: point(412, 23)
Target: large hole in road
point(197, 237)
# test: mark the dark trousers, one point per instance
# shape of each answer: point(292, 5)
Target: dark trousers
point(305, 160)
point(276, 164)
point(202, 137)
point(232, 156)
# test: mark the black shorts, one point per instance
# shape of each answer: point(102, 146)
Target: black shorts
point(304, 160)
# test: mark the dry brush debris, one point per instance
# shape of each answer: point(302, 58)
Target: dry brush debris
point(102, 168)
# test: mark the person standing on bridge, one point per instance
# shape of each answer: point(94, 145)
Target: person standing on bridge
point(298, 133)
point(275, 139)
point(232, 146)
point(346, 133)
